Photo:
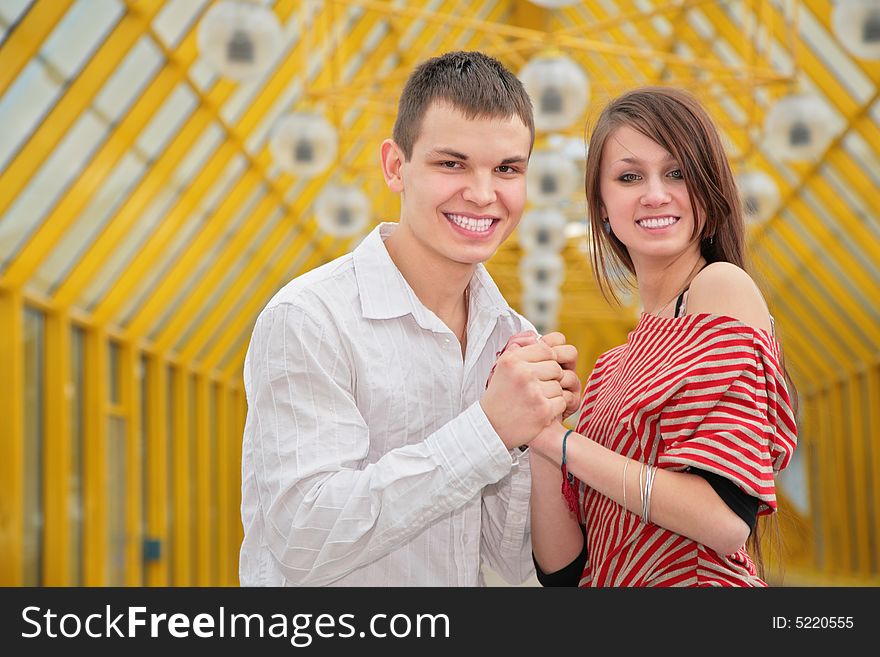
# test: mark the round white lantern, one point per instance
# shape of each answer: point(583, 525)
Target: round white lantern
point(559, 90)
point(797, 127)
point(541, 269)
point(542, 229)
point(304, 144)
point(239, 39)
point(551, 178)
point(856, 24)
point(540, 305)
point(342, 210)
point(759, 196)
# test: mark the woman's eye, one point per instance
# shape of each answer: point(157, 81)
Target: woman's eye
point(449, 164)
point(629, 177)
point(677, 174)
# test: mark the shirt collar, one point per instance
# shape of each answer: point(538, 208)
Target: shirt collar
point(385, 293)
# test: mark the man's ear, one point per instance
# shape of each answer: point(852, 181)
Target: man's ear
point(392, 161)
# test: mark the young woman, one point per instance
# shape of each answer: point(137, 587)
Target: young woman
point(683, 428)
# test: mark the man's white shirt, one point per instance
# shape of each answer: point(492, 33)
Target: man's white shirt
point(366, 458)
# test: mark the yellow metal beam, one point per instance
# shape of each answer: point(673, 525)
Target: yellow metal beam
point(184, 506)
point(26, 38)
point(12, 438)
point(130, 399)
point(158, 501)
point(76, 99)
point(837, 507)
point(540, 38)
point(95, 467)
point(872, 424)
point(857, 477)
point(228, 501)
point(58, 565)
point(205, 499)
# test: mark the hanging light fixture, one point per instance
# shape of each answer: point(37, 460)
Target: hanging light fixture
point(559, 89)
point(797, 127)
point(540, 305)
point(541, 269)
point(856, 24)
point(551, 178)
point(239, 39)
point(304, 144)
point(342, 210)
point(759, 196)
point(542, 229)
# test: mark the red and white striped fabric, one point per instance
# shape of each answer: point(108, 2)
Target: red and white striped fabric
point(701, 391)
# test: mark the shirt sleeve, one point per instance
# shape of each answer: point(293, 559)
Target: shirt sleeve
point(505, 541)
point(732, 416)
point(326, 512)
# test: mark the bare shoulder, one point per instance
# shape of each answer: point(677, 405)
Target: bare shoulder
point(723, 288)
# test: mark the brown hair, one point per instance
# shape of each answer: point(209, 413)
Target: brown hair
point(472, 82)
point(677, 121)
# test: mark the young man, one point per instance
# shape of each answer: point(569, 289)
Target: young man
point(375, 453)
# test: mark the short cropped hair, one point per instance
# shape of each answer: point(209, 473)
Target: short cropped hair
point(477, 85)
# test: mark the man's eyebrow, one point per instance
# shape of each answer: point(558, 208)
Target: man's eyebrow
point(447, 152)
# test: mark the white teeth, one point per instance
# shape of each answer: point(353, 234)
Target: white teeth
point(657, 222)
point(473, 225)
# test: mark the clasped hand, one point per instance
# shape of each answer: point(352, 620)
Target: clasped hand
point(532, 383)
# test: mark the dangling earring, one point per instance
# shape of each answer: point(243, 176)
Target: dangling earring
point(711, 239)
point(607, 226)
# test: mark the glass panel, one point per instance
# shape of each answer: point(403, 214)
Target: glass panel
point(77, 433)
point(113, 372)
point(44, 189)
point(233, 274)
point(34, 359)
point(82, 233)
point(116, 499)
point(176, 19)
point(81, 31)
point(23, 107)
point(133, 305)
point(149, 222)
point(129, 79)
point(10, 12)
point(167, 120)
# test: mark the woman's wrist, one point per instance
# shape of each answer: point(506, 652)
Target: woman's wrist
point(548, 443)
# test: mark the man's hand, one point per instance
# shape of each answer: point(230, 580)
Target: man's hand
point(529, 387)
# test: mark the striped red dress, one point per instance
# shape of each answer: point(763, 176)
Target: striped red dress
point(701, 391)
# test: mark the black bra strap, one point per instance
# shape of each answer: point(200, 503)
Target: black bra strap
point(678, 303)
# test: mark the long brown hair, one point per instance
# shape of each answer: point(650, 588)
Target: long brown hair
point(677, 121)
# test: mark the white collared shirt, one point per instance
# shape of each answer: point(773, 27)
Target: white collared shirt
point(367, 459)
